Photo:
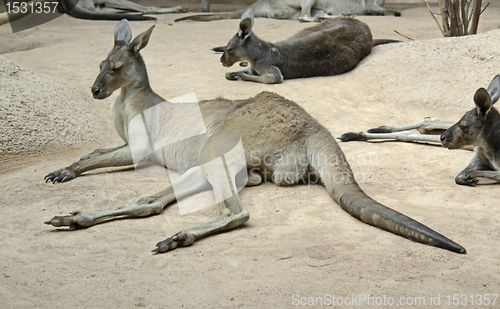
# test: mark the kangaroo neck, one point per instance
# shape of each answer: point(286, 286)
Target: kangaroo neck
point(261, 50)
point(138, 86)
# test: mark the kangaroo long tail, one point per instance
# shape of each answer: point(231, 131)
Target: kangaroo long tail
point(326, 157)
point(384, 41)
point(210, 17)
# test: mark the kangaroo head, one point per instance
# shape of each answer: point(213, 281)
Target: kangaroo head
point(236, 50)
point(469, 130)
point(124, 64)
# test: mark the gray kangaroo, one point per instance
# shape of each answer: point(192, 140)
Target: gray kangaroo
point(303, 10)
point(478, 130)
point(479, 127)
point(99, 10)
point(271, 128)
point(332, 47)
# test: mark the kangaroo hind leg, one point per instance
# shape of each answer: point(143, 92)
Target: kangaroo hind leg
point(190, 182)
point(222, 173)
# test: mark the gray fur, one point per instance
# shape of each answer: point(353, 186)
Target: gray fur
point(330, 48)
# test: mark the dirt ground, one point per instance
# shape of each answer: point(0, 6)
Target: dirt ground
point(298, 244)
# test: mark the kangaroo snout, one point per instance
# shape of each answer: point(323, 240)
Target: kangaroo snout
point(99, 93)
point(442, 138)
point(446, 139)
point(96, 90)
point(224, 62)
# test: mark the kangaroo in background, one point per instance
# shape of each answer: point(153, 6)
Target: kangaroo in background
point(303, 10)
point(282, 144)
point(479, 129)
point(332, 47)
point(99, 10)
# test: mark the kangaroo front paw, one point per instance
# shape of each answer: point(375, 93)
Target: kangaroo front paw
point(75, 220)
point(233, 75)
point(183, 239)
point(62, 175)
point(466, 180)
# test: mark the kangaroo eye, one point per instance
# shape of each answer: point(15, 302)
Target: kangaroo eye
point(117, 69)
point(229, 50)
point(463, 128)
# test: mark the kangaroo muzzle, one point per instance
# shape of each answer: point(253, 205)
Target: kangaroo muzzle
point(99, 92)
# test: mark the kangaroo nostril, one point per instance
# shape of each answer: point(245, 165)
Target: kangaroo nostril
point(96, 89)
point(442, 137)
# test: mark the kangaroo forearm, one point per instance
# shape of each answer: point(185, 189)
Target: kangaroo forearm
point(117, 158)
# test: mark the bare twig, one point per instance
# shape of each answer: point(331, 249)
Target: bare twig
point(432, 17)
point(484, 8)
point(460, 24)
point(444, 18)
point(476, 11)
point(463, 16)
point(453, 18)
point(404, 36)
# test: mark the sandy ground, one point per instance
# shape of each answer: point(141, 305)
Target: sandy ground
point(298, 242)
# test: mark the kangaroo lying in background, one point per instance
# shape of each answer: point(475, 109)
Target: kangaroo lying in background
point(303, 10)
point(478, 129)
point(329, 48)
point(271, 128)
point(99, 10)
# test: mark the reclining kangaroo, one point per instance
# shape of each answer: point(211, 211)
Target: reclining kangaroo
point(329, 48)
point(479, 129)
point(270, 128)
point(303, 10)
point(91, 9)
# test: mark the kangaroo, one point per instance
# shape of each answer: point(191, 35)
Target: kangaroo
point(479, 127)
point(303, 10)
point(91, 9)
point(271, 128)
point(329, 48)
point(477, 130)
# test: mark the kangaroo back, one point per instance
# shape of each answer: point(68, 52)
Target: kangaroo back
point(330, 48)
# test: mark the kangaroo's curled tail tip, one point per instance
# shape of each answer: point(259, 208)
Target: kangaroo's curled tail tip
point(351, 136)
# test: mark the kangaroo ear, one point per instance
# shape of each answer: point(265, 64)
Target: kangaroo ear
point(483, 102)
point(123, 33)
point(245, 29)
point(141, 41)
point(494, 89)
point(248, 14)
